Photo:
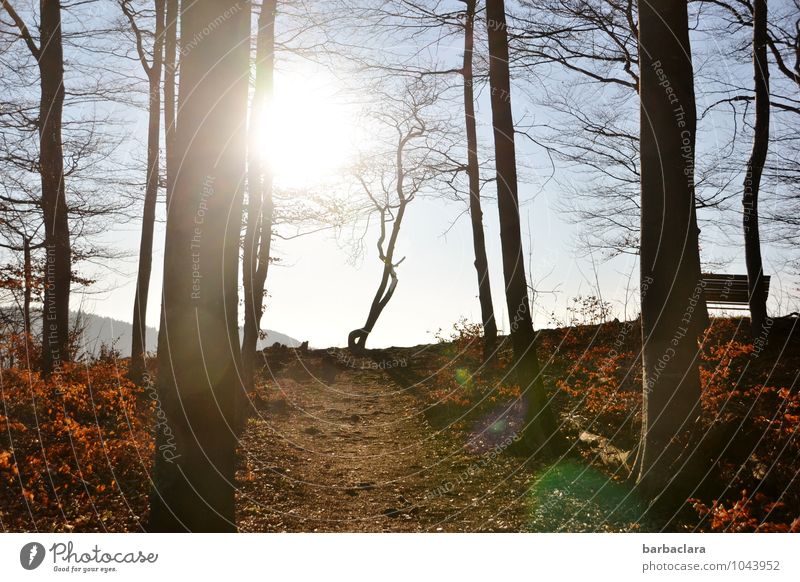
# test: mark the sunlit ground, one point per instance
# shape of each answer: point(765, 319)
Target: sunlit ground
point(572, 496)
point(568, 495)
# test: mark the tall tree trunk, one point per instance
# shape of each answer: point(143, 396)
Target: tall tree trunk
point(170, 67)
point(258, 235)
point(755, 167)
point(539, 420)
point(171, 62)
point(673, 308)
point(139, 332)
point(473, 174)
point(199, 355)
point(27, 280)
point(58, 271)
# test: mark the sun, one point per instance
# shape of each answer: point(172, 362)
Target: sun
point(308, 135)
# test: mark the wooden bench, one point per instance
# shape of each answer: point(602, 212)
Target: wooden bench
point(728, 291)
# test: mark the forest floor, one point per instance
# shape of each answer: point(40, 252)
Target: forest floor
point(424, 439)
point(348, 444)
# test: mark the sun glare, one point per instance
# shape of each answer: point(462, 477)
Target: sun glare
point(308, 133)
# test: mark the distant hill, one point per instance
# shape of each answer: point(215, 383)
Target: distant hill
point(113, 332)
point(276, 336)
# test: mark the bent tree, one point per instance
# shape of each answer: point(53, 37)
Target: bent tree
point(393, 188)
point(416, 18)
point(199, 354)
point(539, 421)
point(389, 213)
point(673, 309)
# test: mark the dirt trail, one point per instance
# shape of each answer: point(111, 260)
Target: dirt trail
point(340, 446)
point(350, 450)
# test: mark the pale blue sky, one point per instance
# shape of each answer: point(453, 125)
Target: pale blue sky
point(316, 294)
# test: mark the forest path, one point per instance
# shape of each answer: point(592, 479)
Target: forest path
point(338, 445)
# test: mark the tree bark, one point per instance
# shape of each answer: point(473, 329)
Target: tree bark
point(171, 62)
point(473, 174)
point(539, 420)
point(170, 67)
point(139, 328)
point(260, 208)
point(755, 168)
point(673, 308)
point(199, 355)
point(58, 272)
point(27, 292)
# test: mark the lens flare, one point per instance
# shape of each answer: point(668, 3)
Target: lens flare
point(572, 496)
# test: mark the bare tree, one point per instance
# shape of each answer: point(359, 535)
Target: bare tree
point(152, 66)
point(539, 420)
point(260, 206)
point(673, 308)
point(199, 354)
point(425, 23)
point(49, 54)
point(19, 235)
point(170, 75)
point(87, 138)
point(592, 126)
point(784, 168)
point(473, 175)
point(391, 187)
point(755, 168)
point(764, 114)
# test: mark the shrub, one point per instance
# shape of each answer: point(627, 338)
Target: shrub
point(76, 449)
